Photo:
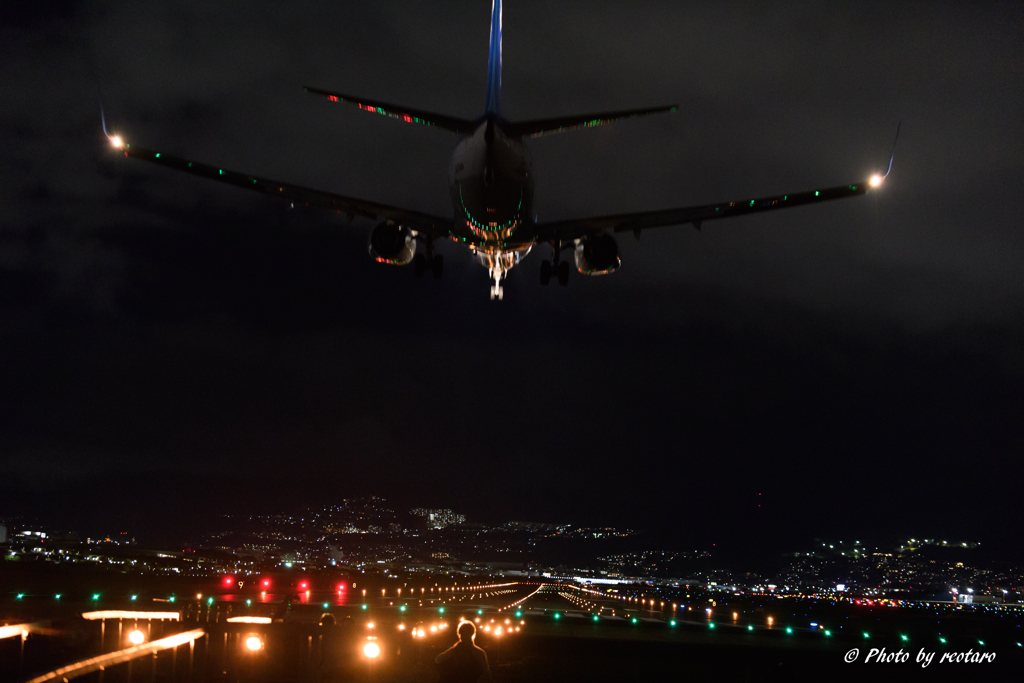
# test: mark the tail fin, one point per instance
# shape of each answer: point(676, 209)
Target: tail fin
point(540, 127)
point(494, 60)
point(395, 111)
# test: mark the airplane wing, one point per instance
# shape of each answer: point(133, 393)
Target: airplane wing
point(635, 222)
point(348, 206)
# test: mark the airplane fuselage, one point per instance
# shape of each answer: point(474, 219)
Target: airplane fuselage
point(491, 183)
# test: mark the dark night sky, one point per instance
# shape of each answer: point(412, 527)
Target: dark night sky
point(174, 344)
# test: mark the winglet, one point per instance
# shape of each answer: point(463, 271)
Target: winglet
point(893, 152)
point(494, 60)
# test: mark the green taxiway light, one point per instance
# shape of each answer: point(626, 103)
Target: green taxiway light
point(172, 598)
point(866, 635)
point(441, 610)
point(95, 596)
point(634, 620)
point(595, 617)
point(364, 606)
point(57, 596)
point(479, 611)
point(326, 605)
point(20, 596)
point(789, 629)
point(828, 633)
point(134, 597)
point(943, 640)
point(816, 193)
point(750, 627)
point(903, 636)
point(672, 623)
point(557, 615)
point(248, 603)
point(402, 608)
point(209, 601)
point(711, 625)
point(518, 614)
point(981, 642)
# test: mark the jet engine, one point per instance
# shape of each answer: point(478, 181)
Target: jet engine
point(597, 255)
point(392, 243)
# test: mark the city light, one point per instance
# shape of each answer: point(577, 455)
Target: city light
point(371, 650)
point(253, 644)
point(136, 637)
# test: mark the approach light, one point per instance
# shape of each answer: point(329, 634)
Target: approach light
point(371, 650)
point(136, 637)
point(253, 644)
point(876, 180)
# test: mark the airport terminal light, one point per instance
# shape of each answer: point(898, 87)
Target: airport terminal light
point(136, 637)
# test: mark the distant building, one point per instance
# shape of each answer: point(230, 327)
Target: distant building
point(438, 519)
point(3, 533)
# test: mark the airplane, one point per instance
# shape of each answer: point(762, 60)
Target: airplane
point(491, 183)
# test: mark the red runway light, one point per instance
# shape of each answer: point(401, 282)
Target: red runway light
point(265, 583)
point(229, 580)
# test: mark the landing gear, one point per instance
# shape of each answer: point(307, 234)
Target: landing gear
point(555, 267)
point(422, 262)
point(497, 291)
point(563, 273)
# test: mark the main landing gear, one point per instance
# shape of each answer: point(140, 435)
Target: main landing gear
point(435, 262)
point(559, 269)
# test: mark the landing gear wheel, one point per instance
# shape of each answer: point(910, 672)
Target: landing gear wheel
point(545, 272)
point(419, 264)
point(563, 273)
point(437, 266)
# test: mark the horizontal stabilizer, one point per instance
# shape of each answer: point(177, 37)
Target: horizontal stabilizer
point(395, 111)
point(538, 127)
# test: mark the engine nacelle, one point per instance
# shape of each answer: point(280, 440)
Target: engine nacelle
point(597, 255)
point(392, 243)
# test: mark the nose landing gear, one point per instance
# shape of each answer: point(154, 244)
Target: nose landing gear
point(497, 290)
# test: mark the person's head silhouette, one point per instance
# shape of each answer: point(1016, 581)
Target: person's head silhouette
point(467, 631)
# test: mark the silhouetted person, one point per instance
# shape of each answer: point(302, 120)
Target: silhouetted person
point(464, 662)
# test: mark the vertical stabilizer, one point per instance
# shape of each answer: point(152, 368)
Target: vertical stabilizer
point(494, 60)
